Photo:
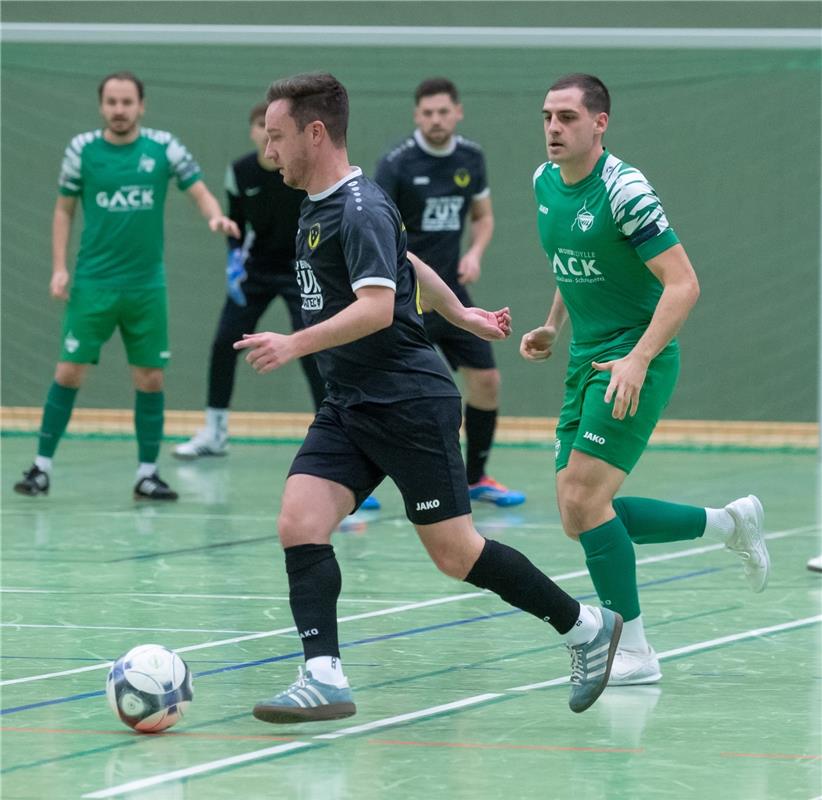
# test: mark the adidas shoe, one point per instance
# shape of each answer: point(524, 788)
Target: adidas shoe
point(153, 487)
point(632, 668)
point(203, 443)
point(34, 482)
point(307, 700)
point(487, 490)
point(591, 662)
point(747, 542)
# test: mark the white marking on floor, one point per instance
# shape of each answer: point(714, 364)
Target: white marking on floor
point(198, 769)
point(403, 608)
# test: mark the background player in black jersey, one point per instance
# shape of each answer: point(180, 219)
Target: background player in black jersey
point(260, 268)
point(392, 409)
point(438, 181)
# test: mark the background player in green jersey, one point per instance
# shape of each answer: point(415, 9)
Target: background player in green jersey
point(627, 285)
point(120, 173)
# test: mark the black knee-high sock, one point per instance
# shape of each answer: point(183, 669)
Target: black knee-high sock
point(314, 584)
point(479, 436)
point(517, 581)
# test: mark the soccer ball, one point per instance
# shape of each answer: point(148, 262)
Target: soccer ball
point(149, 688)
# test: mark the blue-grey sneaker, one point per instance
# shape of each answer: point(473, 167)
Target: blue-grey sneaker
point(307, 700)
point(591, 662)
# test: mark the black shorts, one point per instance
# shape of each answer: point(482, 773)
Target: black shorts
point(416, 443)
point(460, 348)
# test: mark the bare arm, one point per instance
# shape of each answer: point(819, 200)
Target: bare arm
point(64, 210)
point(436, 294)
point(482, 229)
point(679, 294)
point(208, 206)
point(537, 345)
point(372, 311)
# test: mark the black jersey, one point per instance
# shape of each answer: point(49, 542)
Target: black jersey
point(351, 236)
point(434, 191)
point(266, 210)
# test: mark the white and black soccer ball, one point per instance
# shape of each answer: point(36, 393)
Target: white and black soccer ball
point(149, 688)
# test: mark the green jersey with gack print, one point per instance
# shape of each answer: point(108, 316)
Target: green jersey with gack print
point(122, 189)
point(597, 234)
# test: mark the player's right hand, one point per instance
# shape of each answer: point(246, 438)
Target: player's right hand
point(537, 345)
point(58, 287)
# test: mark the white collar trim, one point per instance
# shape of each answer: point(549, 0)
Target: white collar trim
point(355, 173)
point(438, 152)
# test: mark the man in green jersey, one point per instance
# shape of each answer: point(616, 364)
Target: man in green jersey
point(626, 284)
point(121, 174)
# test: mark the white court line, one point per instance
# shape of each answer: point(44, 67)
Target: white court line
point(185, 596)
point(693, 648)
point(398, 609)
point(72, 627)
point(379, 613)
point(399, 719)
point(199, 769)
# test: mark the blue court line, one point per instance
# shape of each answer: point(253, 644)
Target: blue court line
point(357, 642)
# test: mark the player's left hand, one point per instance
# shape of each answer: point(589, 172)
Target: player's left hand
point(488, 325)
point(267, 351)
point(627, 377)
point(468, 270)
point(223, 224)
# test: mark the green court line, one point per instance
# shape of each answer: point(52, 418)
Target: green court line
point(682, 447)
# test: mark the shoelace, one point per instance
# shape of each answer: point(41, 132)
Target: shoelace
point(300, 683)
point(576, 664)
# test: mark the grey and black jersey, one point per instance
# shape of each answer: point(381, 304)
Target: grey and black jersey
point(351, 236)
point(266, 211)
point(434, 192)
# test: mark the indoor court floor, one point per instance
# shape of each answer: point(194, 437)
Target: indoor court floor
point(459, 696)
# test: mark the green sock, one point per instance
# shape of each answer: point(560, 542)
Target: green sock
point(653, 521)
point(56, 416)
point(148, 424)
point(609, 555)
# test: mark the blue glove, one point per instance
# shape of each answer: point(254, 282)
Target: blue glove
point(235, 275)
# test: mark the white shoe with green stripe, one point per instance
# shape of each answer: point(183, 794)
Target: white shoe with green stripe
point(307, 700)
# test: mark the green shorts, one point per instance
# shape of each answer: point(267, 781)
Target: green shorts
point(93, 313)
point(585, 422)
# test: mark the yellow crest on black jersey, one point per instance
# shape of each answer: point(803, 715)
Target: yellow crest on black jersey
point(314, 236)
point(462, 177)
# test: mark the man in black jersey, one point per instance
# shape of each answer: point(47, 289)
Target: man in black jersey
point(260, 269)
point(392, 409)
point(438, 182)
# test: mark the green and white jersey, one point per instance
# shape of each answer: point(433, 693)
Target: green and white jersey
point(122, 189)
point(598, 234)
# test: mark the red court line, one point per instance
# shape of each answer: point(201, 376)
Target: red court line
point(771, 755)
point(175, 734)
point(493, 746)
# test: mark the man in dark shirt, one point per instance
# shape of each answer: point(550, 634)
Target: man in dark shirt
point(260, 269)
point(392, 409)
point(438, 181)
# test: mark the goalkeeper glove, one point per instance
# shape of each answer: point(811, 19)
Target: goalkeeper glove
point(235, 275)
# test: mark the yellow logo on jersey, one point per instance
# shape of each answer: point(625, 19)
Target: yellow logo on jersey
point(462, 177)
point(314, 236)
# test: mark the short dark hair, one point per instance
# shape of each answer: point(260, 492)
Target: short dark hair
point(314, 96)
point(257, 111)
point(595, 96)
point(123, 75)
point(432, 86)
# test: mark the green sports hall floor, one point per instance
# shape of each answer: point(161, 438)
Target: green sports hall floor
point(459, 696)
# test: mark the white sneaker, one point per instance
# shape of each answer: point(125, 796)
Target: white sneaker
point(747, 542)
point(632, 667)
point(815, 564)
point(202, 443)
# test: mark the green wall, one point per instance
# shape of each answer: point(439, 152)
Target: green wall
point(730, 140)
